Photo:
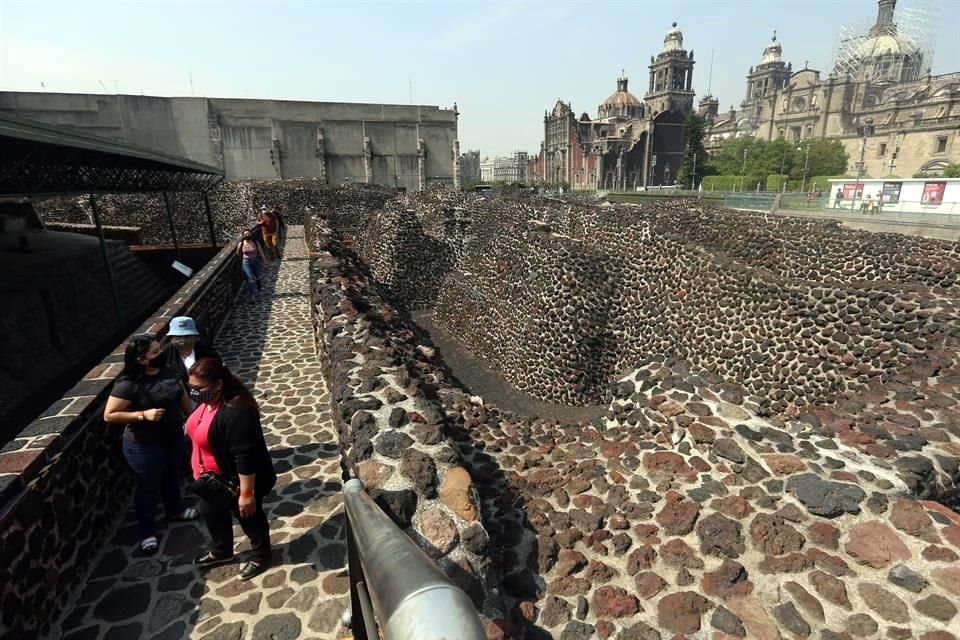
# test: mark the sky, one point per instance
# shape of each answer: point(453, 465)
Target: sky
point(503, 63)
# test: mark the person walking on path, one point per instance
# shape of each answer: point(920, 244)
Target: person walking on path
point(253, 258)
point(838, 200)
point(151, 401)
point(183, 347)
point(282, 234)
point(270, 227)
point(228, 440)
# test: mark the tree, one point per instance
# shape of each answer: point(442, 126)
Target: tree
point(827, 158)
point(694, 155)
point(951, 171)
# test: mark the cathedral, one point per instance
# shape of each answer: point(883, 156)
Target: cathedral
point(880, 101)
point(631, 143)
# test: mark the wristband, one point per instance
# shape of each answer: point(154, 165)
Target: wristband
point(246, 494)
point(140, 416)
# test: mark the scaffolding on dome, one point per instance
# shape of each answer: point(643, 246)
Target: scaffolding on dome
point(915, 25)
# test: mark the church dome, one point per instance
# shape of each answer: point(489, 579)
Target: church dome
point(673, 41)
point(622, 97)
point(773, 51)
point(883, 45)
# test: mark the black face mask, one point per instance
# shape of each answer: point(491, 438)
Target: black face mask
point(199, 396)
point(156, 363)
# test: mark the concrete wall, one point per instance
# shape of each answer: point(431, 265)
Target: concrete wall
point(264, 138)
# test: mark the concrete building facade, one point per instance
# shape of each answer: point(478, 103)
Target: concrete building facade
point(631, 143)
point(882, 102)
point(408, 146)
point(469, 167)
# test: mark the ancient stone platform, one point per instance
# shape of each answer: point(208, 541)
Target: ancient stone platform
point(269, 344)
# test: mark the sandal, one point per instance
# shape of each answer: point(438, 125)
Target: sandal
point(149, 545)
point(186, 515)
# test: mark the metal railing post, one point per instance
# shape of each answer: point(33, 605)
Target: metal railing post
point(121, 321)
point(412, 598)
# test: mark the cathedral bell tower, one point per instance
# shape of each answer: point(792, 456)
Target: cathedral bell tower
point(671, 77)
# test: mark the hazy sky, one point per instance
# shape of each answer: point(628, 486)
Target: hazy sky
point(503, 63)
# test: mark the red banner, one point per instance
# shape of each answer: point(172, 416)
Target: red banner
point(933, 192)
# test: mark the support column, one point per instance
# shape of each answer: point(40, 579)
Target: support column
point(213, 233)
point(421, 165)
point(275, 158)
point(620, 184)
point(367, 161)
point(321, 156)
point(121, 321)
point(173, 229)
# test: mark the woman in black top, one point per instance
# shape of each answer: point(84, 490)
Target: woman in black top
point(151, 401)
point(228, 439)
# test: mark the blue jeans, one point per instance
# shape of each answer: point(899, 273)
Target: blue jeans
point(251, 271)
point(156, 468)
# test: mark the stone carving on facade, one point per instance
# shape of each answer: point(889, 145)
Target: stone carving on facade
point(216, 137)
point(456, 163)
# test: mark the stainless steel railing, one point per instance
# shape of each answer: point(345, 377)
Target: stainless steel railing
point(396, 587)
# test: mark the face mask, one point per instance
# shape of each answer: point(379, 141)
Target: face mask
point(183, 342)
point(156, 363)
point(201, 396)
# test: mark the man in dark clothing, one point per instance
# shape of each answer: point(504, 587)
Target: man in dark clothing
point(182, 347)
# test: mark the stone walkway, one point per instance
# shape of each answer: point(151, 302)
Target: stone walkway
point(269, 345)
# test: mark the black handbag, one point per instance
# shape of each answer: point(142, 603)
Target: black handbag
point(214, 488)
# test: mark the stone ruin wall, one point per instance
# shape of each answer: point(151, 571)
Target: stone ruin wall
point(394, 436)
point(233, 206)
point(687, 508)
point(802, 339)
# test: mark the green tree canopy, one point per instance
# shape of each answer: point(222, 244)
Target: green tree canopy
point(951, 171)
point(827, 157)
point(692, 169)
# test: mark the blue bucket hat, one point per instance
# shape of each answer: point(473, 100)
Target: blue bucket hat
point(183, 326)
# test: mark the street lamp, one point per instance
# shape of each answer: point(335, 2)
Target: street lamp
point(863, 132)
point(743, 171)
point(783, 164)
point(806, 163)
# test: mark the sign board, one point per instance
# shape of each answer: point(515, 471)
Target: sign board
point(933, 192)
point(891, 192)
point(852, 190)
point(182, 268)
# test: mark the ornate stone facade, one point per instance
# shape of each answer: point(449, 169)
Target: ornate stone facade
point(911, 117)
point(632, 143)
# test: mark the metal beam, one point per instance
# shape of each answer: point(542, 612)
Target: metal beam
point(121, 321)
point(173, 229)
point(213, 233)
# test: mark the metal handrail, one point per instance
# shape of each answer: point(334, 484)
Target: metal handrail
point(412, 599)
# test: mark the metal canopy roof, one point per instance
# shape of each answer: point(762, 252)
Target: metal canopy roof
point(42, 159)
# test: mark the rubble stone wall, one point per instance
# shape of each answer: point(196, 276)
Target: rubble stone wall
point(63, 480)
point(560, 305)
point(393, 433)
point(233, 206)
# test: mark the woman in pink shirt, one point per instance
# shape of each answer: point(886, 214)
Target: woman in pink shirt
point(228, 440)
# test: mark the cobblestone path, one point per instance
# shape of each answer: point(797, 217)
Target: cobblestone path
point(268, 344)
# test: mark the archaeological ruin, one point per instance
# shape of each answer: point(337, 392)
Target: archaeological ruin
point(775, 448)
point(600, 420)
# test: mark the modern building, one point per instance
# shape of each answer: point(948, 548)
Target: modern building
point(408, 146)
point(511, 169)
point(880, 100)
point(631, 143)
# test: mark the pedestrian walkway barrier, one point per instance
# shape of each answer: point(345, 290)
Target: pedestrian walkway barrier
point(396, 591)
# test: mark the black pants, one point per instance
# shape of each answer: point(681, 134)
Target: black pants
point(220, 525)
